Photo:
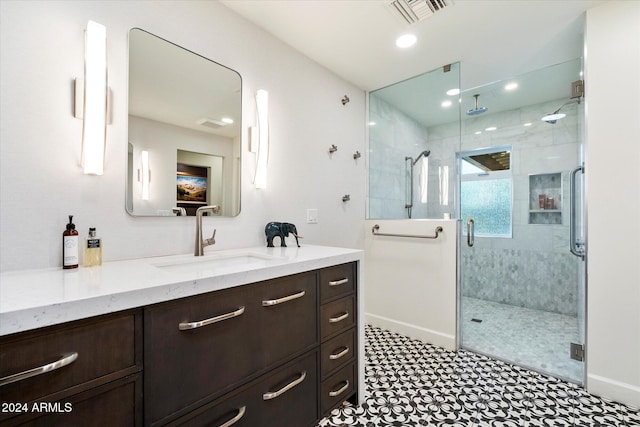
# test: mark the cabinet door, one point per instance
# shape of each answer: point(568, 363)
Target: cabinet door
point(337, 316)
point(69, 357)
point(285, 398)
point(288, 317)
point(337, 281)
point(196, 347)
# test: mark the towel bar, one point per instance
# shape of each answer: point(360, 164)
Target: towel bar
point(375, 228)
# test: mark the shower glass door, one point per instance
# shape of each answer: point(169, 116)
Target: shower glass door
point(522, 279)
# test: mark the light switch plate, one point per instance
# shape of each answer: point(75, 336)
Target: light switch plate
point(312, 216)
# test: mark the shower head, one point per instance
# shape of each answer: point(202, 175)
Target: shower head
point(476, 110)
point(425, 153)
point(557, 115)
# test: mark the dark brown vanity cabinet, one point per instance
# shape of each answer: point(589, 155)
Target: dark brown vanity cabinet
point(85, 372)
point(281, 352)
point(339, 337)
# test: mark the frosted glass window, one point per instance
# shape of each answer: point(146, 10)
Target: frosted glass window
point(486, 190)
point(488, 202)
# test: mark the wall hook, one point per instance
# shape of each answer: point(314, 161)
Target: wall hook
point(346, 198)
point(345, 100)
point(356, 155)
point(333, 148)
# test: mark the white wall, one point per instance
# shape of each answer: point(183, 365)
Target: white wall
point(40, 142)
point(613, 199)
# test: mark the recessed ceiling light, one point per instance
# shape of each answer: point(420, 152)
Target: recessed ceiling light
point(478, 132)
point(489, 129)
point(511, 86)
point(406, 40)
point(528, 124)
point(446, 103)
point(227, 120)
point(453, 92)
point(372, 123)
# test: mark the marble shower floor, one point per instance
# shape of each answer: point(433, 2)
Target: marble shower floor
point(410, 383)
point(532, 338)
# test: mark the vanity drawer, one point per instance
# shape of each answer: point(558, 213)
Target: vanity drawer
point(228, 337)
point(337, 281)
point(287, 396)
point(337, 388)
point(73, 357)
point(337, 316)
point(337, 351)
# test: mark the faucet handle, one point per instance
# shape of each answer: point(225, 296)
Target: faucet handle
point(212, 240)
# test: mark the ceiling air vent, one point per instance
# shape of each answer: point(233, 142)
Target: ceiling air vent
point(211, 123)
point(412, 11)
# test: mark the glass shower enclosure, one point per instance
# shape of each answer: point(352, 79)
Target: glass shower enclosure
point(506, 159)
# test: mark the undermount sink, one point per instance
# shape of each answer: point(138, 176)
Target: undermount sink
point(213, 262)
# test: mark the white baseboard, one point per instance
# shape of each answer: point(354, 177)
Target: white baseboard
point(412, 331)
point(607, 388)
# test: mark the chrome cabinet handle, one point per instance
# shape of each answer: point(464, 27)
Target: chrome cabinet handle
point(471, 231)
point(273, 394)
point(339, 318)
point(64, 361)
point(338, 282)
point(235, 419)
point(270, 302)
point(341, 390)
point(185, 326)
point(335, 356)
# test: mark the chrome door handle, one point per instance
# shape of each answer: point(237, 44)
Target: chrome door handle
point(64, 361)
point(335, 356)
point(573, 244)
point(339, 318)
point(341, 390)
point(235, 419)
point(273, 394)
point(471, 231)
point(270, 302)
point(185, 326)
point(338, 282)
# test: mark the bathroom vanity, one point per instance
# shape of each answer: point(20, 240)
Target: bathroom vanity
point(252, 337)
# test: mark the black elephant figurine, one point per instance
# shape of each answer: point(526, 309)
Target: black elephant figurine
point(282, 230)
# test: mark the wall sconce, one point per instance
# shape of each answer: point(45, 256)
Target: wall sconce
point(146, 176)
point(94, 110)
point(262, 103)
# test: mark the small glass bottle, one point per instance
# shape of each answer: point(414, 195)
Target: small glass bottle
point(92, 249)
point(70, 245)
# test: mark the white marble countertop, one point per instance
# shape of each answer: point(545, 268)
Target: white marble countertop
point(31, 299)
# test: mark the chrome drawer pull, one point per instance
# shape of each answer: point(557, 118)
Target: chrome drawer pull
point(185, 326)
point(235, 419)
point(270, 302)
point(338, 282)
point(340, 390)
point(336, 356)
point(64, 361)
point(339, 318)
point(273, 394)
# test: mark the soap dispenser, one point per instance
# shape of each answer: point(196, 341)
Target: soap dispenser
point(70, 246)
point(92, 249)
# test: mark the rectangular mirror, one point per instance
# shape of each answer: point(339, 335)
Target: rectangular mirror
point(185, 117)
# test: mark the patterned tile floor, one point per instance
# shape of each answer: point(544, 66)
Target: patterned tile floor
point(536, 339)
point(410, 383)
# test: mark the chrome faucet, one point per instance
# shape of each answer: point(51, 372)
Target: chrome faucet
point(200, 242)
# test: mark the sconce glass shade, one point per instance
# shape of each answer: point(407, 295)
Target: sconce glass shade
point(144, 159)
point(262, 102)
point(95, 99)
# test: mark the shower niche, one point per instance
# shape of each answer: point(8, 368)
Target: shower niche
point(545, 198)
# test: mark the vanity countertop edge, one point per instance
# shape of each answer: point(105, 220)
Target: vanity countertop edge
point(31, 299)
